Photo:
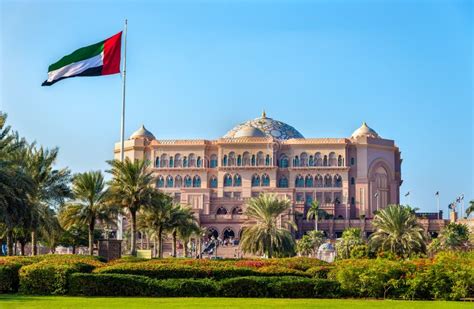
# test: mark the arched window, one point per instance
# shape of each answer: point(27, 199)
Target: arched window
point(296, 161)
point(239, 160)
point(260, 159)
point(213, 182)
point(213, 161)
point(187, 181)
point(169, 181)
point(352, 161)
point(192, 160)
point(311, 161)
point(253, 160)
point(338, 181)
point(319, 181)
point(308, 181)
point(199, 162)
point(332, 159)
point(237, 180)
point(157, 162)
point(221, 211)
point(265, 180)
point(352, 181)
point(237, 211)
point(212, 233)
point(224, 161)
point(353, 201)
point(231, 159)
point(178, 181)
point(185, 161)
point(299, 181)
point(318, 161)
point(228, 234)
point(325, 161)
point(328, 181)
point(164, 160)
point(339, 160)
point(283, 161)
point(160, 183)
point(246, 159)
point(227, 180)
point(197, 181)
point(304, 159)
point(267, 160)
point(171, 161)
point(283, 182)
point(255, 181)
point(177, 160)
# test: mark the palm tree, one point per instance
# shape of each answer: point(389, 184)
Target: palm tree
point(351, 238)
point(397, 231)
point(131, 188)
point(157, 217)
point(470, 209)
point(185, 232)
point(180, 218)
point(263, 234)
point(89, 205)
point(15, 183)
point(50, 186)
point(314, 212)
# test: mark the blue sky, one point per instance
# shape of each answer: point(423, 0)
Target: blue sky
point(195, 69)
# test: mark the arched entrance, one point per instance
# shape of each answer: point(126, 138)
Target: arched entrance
point(228, 234)
point(212, 232)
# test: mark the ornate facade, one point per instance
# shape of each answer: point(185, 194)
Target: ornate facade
point(351, 177)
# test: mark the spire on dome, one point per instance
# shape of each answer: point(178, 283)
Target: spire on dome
point(264, 115)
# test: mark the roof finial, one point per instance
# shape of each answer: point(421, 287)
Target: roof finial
point(364, 124)
point(264, 115)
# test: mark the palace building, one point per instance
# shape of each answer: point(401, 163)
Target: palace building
point(351, 176)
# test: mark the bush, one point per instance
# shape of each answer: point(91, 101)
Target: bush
point(245, 287)
point(9, 279)
point(324, 288)
point(48, 278)
point(132, 285)
point(292, 287)
point(320, 272)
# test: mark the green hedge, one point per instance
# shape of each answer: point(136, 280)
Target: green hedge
point(47, 278)
point(9, 279)
point(132, 285)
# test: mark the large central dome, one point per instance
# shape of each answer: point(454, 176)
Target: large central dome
point(268, 126)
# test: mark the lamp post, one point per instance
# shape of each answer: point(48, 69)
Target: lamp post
point(377, 196)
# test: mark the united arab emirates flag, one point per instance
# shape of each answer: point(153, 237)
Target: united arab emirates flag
point(102, 58)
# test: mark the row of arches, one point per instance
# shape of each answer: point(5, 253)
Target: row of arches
point(223, 211)
point(318, 181)
point(178, 181)
point(246, 159)
point(227, 233)
point(177, 160)
point(305, 159)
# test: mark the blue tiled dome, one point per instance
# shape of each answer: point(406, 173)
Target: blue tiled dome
point(272, 128)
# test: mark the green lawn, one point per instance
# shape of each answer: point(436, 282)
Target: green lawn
point(50, 302)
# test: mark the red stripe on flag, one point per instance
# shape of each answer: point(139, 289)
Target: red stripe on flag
point(112, 48)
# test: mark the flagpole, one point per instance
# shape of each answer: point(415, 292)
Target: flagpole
point(437, 202)
point(122, 123)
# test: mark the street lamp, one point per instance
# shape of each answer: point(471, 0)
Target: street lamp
point(377, 196)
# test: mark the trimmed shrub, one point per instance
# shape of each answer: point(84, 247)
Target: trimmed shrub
point(292, 287)
point(132, 285)
point(245, 287)
point(47, 278)
point(320, 272)
point(9, 279)
point(276, 270)
point(324, 288)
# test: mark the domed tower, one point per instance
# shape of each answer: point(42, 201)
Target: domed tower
point(142, 133)
point(365, 130)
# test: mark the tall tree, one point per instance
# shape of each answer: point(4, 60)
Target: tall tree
point(50, 186)
point(15, 183)
point(263, 233)
point(314, 212)
point(180, 219)
point(131, 188)
point(89, 205)
point(397, 231)
point(351, 238)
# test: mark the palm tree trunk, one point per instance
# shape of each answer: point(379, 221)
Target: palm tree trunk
point(186, 251)
point(22, 248)
point(34, 247)
point(10, 242)
point(134, 233)
point(174, 244)
point(91, 237)
point(270, 249)
point(74, 249)
point(159, 241)
point(316, 219)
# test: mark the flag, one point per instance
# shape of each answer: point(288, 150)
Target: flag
point(102, 58)
point(408, 193)
point(437, 193)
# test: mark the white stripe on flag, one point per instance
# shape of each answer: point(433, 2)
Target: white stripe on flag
point(76, 67)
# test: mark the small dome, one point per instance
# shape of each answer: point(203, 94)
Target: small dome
point(365, 130)
point(248, 131)
point(268, 126)
point(142, 133)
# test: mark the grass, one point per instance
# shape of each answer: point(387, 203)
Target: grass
point(17, 301)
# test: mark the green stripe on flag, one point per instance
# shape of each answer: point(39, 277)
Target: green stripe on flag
point(79, 55)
